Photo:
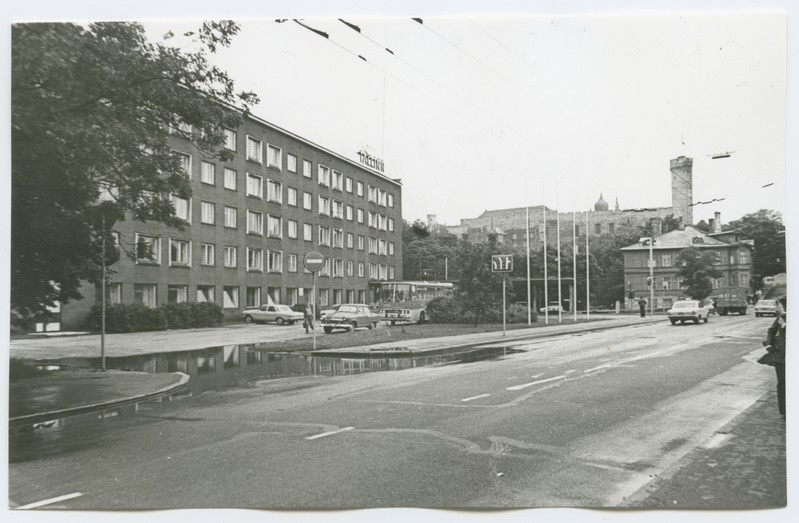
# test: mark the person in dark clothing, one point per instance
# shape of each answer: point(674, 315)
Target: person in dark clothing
point(308, 320)
point(642, 306)
point(775, 344)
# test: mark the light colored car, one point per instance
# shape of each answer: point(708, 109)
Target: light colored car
point(279, 314)
point(552, 307)
point(767, 308)
point(685, 310)
point(350, 317)
point(328, 310)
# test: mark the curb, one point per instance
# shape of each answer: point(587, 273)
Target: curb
point(38, 417)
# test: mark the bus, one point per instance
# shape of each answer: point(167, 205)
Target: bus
point(406, 301)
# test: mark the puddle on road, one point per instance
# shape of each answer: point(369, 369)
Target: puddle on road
point(214, 369)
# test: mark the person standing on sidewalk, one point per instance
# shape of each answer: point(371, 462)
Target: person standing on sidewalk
point(775, 344)
point(642, 306)
point(308, 320)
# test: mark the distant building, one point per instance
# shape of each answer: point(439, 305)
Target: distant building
point(734, 255)
point(509, 224)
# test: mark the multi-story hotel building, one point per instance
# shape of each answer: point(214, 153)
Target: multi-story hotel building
point(252, 219)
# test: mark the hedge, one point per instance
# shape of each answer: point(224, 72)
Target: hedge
point(137, 317)
point(449, 310)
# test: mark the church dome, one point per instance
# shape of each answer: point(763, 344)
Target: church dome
point(601, 204)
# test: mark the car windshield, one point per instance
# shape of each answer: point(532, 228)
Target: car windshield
point(348, 308)
point(283, 308)
point(767, 302)
point(685, 305)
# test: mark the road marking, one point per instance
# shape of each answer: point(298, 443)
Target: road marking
point(717, 439)
point(50, 501)
point(475, 397)
point(525, 385)
point(322, 435)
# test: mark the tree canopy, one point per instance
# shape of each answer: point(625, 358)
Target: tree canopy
point(92, 108)
point(697, 270)
point(765, 227)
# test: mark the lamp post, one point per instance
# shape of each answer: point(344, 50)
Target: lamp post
point(651, 240)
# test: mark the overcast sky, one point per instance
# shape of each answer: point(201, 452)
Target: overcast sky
point(478, 112)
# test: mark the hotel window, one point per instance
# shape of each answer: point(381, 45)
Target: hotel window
point(381, 197)
point(360, 242)
point(373, 271)
point(665, 260)
point(338, 209)
point(390, 200)
point(391, 224)
point(323, 176)
point(350, 268)
point(391, 248)
point(391, 272)
point(381, 247)
point(372, 245)
point(179, 252)
point(255, 185)
point(275, 261)
point(325, 268)
point(291, 163)
point(350, 240)
point(338, 268)
point(207, 213)
point(145, 293)
point(291, 226)
point(307, 169)
point(360, 269)
point(255, 222)
point(383, 274)
point(205, 294)
point(255, 152)
point(291, 196)
point(274, 157)
point(253, 298)
point(207, 254)
point(177, 293)
point(324, 205)
point(359, 188)
point(338, 181)
point(274, 226)
point(324, 235)
point(371, 195)
point(230, 140)
point(338, 238)
point(231, 257)
point(255, 259)
point(148, 249)
point(182, 208)
point(207, 173)
point(274, 191)
point(230, 179)
point(231, 214)
point(381, 222)
point(291, 259)
point(185, 164)
point(360, 215)
point(348, 184)
point(307, 232)
point(350, 215)
point(307, 201)
point(230, 297)
point(372, 219)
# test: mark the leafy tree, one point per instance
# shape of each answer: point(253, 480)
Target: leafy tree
point(91, 108)
point(479, 291)
point(765, 227)
point(428, 255)
point(697, 270)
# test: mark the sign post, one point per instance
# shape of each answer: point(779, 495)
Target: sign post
point(502, 263)
point(313, 261)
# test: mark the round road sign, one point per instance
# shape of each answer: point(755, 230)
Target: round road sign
point(314, 261)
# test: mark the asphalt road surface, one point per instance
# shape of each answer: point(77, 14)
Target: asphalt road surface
point(582, 420)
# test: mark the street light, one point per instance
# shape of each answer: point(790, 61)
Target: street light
point(650, 240)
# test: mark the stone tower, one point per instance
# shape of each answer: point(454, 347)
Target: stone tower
point(682, 189)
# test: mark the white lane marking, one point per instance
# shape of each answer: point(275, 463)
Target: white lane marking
point(49, 501)
point(475, 397)
point(525, 385)
point(716, 440)
point(322, 435)
point(605, 366)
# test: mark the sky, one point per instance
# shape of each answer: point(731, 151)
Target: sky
point(487, 111)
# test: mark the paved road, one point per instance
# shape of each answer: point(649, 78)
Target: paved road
point(578, 420)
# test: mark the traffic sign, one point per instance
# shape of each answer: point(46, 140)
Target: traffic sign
point(502, 263)
point(314, 261)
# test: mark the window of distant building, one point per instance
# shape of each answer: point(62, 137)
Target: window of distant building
point(179, 252)
point(230, 179)
point(255, 185)
point(274, 157)
point(207, 170)
point(255, 150)
point(230, 140)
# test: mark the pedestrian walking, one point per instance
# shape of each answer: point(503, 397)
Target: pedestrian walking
point(642, 306)
point(308, 319)
point(775, 344)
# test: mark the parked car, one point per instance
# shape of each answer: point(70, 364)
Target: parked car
point(350, 317)
point(279, 314)
point(767, 308)
point(552, 307)
point(329, 310)
point(685, 310)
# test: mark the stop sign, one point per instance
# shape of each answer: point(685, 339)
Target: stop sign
point(314, 261)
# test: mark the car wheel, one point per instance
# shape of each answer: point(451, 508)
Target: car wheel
point(393, 323)
point(673, 321)
point(280, 321)
point(328, 330)
point(696, 321)
point(704, 319)
point(757, 315)
point(248, 319)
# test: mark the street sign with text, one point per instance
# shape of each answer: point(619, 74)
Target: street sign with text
point(502, 263)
